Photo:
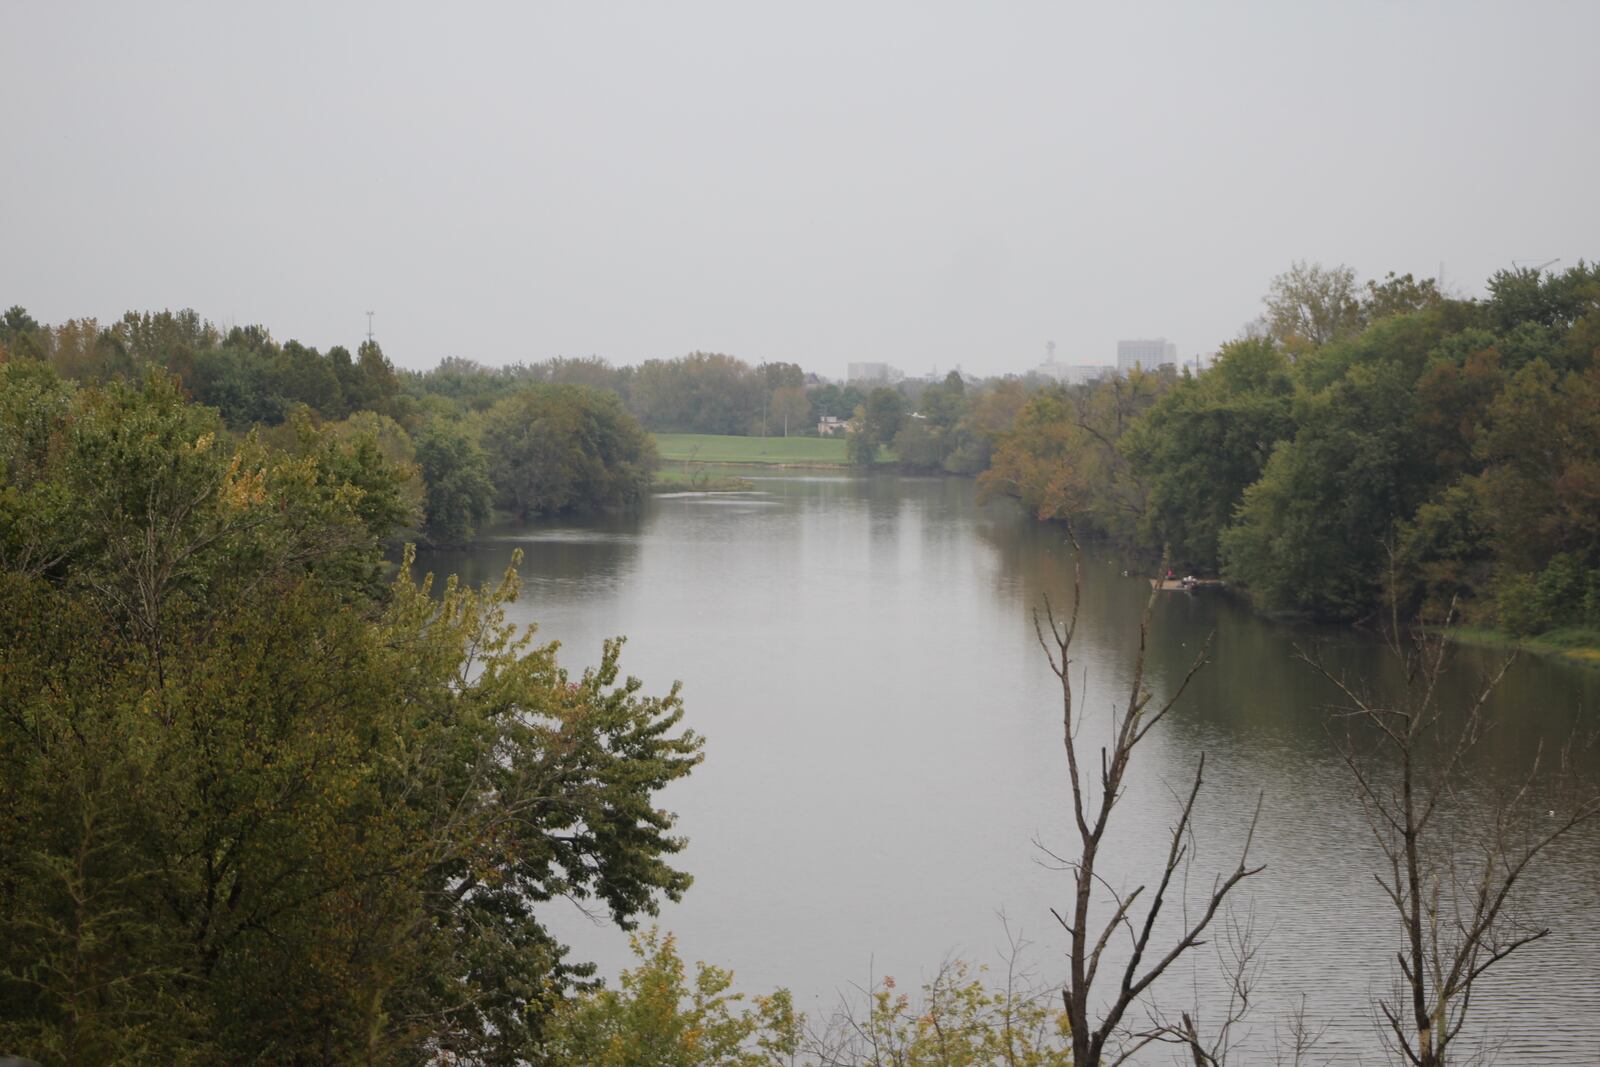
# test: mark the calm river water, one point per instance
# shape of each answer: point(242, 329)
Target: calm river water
point(884, 760)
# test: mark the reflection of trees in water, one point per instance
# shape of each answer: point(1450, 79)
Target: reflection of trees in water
point(1253, 690)
point(564, 549)
point(1266, 723)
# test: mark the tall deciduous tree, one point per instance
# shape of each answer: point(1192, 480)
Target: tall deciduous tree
point(1313, 305)
point(554, 448)
point(459, 494)
point(1205, 442)
point(260, 809)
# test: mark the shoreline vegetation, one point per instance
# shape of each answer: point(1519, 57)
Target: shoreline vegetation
point(675, 480)
point(1360, 449)
point(1572, 644)
point(723, 450)
point(1357, 446)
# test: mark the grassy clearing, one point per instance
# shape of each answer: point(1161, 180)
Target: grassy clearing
point(784, 451)
point(677, 480)
point(1576, 644)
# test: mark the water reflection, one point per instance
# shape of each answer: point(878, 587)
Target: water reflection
point(884, 746)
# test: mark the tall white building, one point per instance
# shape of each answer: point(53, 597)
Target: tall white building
point(1146, 355)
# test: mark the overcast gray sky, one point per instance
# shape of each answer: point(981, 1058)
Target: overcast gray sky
point(923, 183)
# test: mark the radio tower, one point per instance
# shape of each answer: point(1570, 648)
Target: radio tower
point(369, 327)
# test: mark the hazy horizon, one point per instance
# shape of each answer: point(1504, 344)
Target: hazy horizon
point(922, 185)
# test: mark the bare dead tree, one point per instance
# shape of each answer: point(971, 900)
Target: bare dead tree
point(1453, 903)
point(1238, 960)
point(1299, 1037)
point(1106, 1039)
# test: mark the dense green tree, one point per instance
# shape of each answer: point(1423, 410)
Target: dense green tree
point(835, 400)
point(703, 392)
point(373, 384)
point(304, 377)
point(1398, 295)
point(20, 334)
point(1203, 443)
point(554, 448)
point(459, 494)
point(860, 450)
point(945, 403)
point(882, 414)
point(928, 437)
point(1313, 533)
point(919, 446)
point(1529, 296)
point(260, 810)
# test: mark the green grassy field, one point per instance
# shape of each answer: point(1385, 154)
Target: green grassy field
point(713, 448)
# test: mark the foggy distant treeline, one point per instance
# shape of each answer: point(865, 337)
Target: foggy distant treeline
point(1363, 447)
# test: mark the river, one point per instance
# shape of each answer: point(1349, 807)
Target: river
point(884, 761)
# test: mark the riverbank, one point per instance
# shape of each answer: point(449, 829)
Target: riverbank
point(819, 452)
point(677, 480)
point(1574, 644)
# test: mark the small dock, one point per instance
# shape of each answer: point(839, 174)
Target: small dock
point(1181, 585)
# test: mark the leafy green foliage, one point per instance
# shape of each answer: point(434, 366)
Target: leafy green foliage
point(703, 392)
point(1203, 443)
point(930, 439)
point(259, 806)
point(456, 472)
point(882, 415)
point(660, 1017)
point(1311, 533)
point(1062, 457)
point(957, 1018)
point(556, 448)
point(1390, 447)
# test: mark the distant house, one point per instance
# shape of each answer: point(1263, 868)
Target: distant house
point(828, 425)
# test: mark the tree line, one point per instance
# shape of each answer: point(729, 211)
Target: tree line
point(1361, 449)
point(1361, 446)
point(541, 438)
point(535, 447)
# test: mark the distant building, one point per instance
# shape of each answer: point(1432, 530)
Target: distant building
point(1083, 373)
point(873, 374)
point(1146, 355)
point(1074, 373)
point(829, 425)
